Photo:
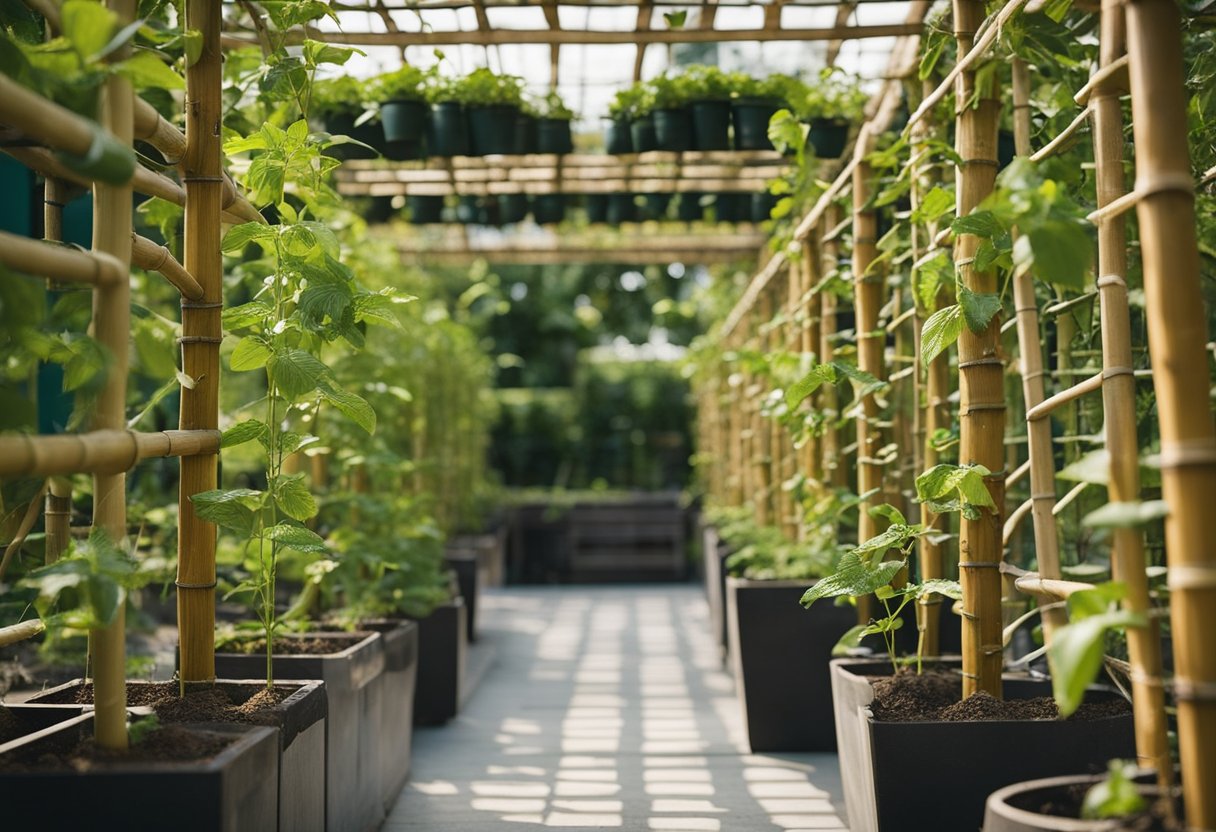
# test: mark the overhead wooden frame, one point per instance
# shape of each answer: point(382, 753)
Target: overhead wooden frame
point(655, 172)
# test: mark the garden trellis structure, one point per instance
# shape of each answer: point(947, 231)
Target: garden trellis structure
point(784, 306)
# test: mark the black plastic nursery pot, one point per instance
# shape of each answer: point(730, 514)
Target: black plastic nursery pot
point(553, 136)
point(369, 133)
point(828, 137)
point(780, 653)
point(464, 564)
point(711, 125)
point(597, 207)
point(379, 209)
point(234, 791)
point(762, 206)
point(526, 129)
point(654, 206)
point(1020, 807)
point(469, 211)
point(300, 719)
point(904, 775)
point(352, 676)
point(618, 136)
point(404, 121)
point(642, 134)
point(404, 151)
point(492, 129)
point(443, 645)
point(751, 117)
point(548, 209)
point(690, 208)
point(512, 208)
point(400, 680)
point(673, 129)
point(425, 210)
point(1006, 148)
point(731, 207)
point(448, 130)
point(621, 208)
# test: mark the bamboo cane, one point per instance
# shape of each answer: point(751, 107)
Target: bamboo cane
point(1030, 354)
point(761, 433)
point(202, 333)
point(51, 124)
point(112, 328)
point(1178, 334)
point(151, 257)
point(833, 469)
point(20, 632)
point(981, 378)
point(60, 263)
point(812, 457)
point(1119, 407)
point(107, 451)
point(57, 515)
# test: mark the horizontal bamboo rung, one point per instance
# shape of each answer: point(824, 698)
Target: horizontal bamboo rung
point(1017, 473)
point(60, 262)
point(20, 632)
point(1032, 584)
point(1058, 142)
point(1069, 498)
point(152, 257)
point(99, 452)
point(1015, 519)
point(1110, 79)
point(46, 121)
point(1065, 396)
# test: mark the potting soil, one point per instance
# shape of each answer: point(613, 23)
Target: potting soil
point(935, 696)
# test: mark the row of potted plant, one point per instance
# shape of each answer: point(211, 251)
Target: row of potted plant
point(706, 108)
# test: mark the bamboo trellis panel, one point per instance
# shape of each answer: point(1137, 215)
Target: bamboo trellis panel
point(639, 247)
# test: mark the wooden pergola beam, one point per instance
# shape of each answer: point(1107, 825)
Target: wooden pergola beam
point(431, 5)
point(566, 37)
point(640, 248)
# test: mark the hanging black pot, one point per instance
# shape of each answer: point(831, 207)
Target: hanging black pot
point(425, 210)
point(404, 121)
point(512, 208)
point(673, 129)
point(548, 209)
point(379, 209)
point(621, 209)
point(727, 207)
point(690, 208)
point(448, 130)
point(343, 124)
point(762, 205)
point(828, 137)
point(553, 136)
point(469, 211)
point(654, 206)
point(492, 129)
point(597, 208)
point(641, 131)
point(711, 125)
point(404, 151)
point(617, 136)
point(751, 117)
point(526, 128)
point(1006, 148)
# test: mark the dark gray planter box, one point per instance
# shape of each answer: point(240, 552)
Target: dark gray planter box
point(780, 653)
point(442, 652)
point(897, 771)
point(236, 791)
point(464, 564)
point(397, 717)
point(352, 677)
point(301, 722)
point(715, 553)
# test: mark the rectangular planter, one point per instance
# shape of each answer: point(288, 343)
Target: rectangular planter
point(300, 719)
point(715, 552)
point(917, 775)
point(397, 717)
point(780, 653)
point(353, 801)
point(442, 652)
point(235, 791)
point(464, 564)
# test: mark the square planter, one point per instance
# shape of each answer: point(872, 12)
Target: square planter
point(234, 791)
point(464, 564)
point(300, 719)
point(917, 775)
point(31, 719)
point(353, 800)
point(442, 651)
point(780, 654)
point(400, 679)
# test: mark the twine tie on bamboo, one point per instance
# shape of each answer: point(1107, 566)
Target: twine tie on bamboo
point(1185, 453)
point(1191, 690)
point(1191, 576)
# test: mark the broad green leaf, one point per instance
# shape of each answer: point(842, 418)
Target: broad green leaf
point(295, 372)
point(853, 577)
point(1063, 253)
point(231, 508)
point(87, 25)
point(808, 384)
point(354, 407)
point(251, 353)
point(979, 308)
point(1127, 515)
point(246, 315)
point(325, 299)
point(145, 69)
point(242, 235)
point(941, 586)
point(895, 536)
point(933, 205)
point(851, 640)
point(940, 331)
point(1075, 655)
point(1116, 795)
point(243, 432)
point(297, 537)
point(889, 513)
point(1093, 468)
point(980, 223)
point(293, 497)
point(1098, 599)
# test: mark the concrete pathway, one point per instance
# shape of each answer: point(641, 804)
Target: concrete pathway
point(607, 708)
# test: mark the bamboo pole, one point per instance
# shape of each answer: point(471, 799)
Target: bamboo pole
point(106, 451)
point(202, 334)
point(57, 515)
point(51, 124)
point(59, 262)
point(833, 469)
point(112, 328)
point(812, 451)
point(981, 378)
point(1177, 334)
point(1119, 407)
point(761, 433)
point(1030, 358)
point(154, 258)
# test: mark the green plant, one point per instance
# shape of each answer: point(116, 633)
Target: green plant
point(552, 106)
point(483, 87)
point(708, 83)
point(1116, 795)
point(632, 102)
point(338, 96)
point(669, 92)
point(835, 96)
point(409, 83)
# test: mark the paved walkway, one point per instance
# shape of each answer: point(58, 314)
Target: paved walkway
point(607, 708)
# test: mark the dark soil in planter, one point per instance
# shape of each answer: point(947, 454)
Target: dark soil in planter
point(170, 744)
point(296, 646)
point(934, 695)
point(1054, 805)
point(10, 726)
